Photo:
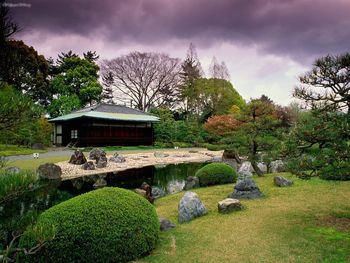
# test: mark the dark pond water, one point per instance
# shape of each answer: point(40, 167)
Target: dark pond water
point(168, 179)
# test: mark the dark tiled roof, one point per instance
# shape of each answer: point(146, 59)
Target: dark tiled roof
point(112, 108)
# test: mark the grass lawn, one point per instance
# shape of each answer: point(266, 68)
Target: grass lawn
point(33, 164)
point(9, 150)
point(308, 222)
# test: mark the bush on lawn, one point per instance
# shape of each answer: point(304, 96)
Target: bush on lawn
point(216, 173)
point(105, 225)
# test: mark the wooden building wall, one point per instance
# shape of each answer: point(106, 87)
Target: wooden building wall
point(95, 132)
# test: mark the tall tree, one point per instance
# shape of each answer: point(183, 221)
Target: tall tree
point(327, 85)
point(22, 67)
point(145, 79)
point(7, 26)
point(74, 85)
point(91, 56)
point(218, 71)
point(191, 71)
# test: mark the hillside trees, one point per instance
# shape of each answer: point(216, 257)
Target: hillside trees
point(146, 80)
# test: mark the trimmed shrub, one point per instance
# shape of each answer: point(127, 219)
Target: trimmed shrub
point(105, 225)
point(216, 173)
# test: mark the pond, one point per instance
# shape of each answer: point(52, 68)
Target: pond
point(169, 179)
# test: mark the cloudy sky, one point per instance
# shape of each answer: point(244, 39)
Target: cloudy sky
point(265, 44)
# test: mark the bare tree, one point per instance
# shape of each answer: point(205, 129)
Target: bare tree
point(7, 26)
point(327, 85)
point(144, 79)
point(218, 71)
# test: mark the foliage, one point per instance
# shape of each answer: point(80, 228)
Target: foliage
point(14, 184)
point(22, 67)
point(216, 173)
point(327, 85)
point(74, 84)
point(169, 131)
point(124, 222)
point(318, 146)
point(221, 124)
point(254, 131)
point(145, 80)
point(214, 97)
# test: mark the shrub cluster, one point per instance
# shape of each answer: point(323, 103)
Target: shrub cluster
point(216, 173)
point(105, 225)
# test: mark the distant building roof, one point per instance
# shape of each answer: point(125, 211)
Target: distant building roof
point(109, 112)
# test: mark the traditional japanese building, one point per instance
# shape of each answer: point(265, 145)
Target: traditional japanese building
point(103, 125)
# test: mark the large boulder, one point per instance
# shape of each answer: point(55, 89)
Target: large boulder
point(100, 182)
point(117, 158)
point(148, 189)
point(175, 186)
point(88, 166)
point(262, 167)
point(77, 158)
point(277, 166)
point(95, 154)
point(49, 171)
point(245, 189)
point(229, 205)
point(246, 170)
point(101, 161)
point(190, 207)
point(191, 182)
point(165, 224)
point(157, 192)
point(281, 181)
point(231, 162)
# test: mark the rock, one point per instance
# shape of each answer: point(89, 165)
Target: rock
point(12, 170)
point(101, 162)
point(262, 167)
point(229, 205)
point(210, 154)
point(245, 189)
point(246, 169)
point(38, 146)
point(157, 192)
point(95, 154)
point(160, 155)
point(100, 182)
point(281, 181)
point(140, 192)
point(49, 171)
point(277, 166)
point(117, 158)
point(77, 158)
point(216, 159)
point(193, 151)
point(145, 186)
point(175, 186)
point(231, 162)
point(77, 183)
point(190, 207)
point(88, 166)
point(182, 155)
point(165, 224)
point(191, 182)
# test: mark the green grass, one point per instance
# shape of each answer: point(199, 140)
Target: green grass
point(286, 225)
point(33, 164)
point(10, 150)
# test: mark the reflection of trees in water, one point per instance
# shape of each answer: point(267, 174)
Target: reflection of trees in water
point(19, 212)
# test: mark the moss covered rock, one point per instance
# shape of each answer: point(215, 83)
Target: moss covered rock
point(216, 173)
point(105, 225)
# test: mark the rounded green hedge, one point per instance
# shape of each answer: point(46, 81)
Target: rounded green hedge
point(216, 173)
point(105, 225)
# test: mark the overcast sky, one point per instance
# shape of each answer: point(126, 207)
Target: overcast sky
point(266, 44)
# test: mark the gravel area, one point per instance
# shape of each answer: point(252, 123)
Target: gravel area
point(139, 160)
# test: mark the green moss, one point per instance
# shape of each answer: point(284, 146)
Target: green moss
point(216, 173)
point(106, 225)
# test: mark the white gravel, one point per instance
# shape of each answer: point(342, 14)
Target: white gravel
point(139, 160)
